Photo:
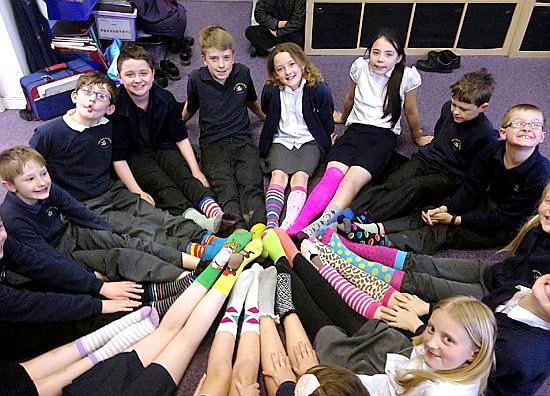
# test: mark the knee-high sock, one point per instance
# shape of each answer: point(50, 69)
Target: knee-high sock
point(154, 291)
point(318, 199)
point(314, 229)
point(294, 204)
point(274, 203)
point(230, 320)
point(358, 300)
point(358, 235)
point(390, 257)
point(210, 207)
point(251, 320)
point(289, 247)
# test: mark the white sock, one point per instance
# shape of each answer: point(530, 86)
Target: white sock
point(211, 224)
point(251, 321)
point(230, 320)
point(268, 284)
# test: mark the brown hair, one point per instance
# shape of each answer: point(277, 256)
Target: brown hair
point(95, 78)
point(132, 51)
point(215, 36)
point(14, 159)
point(479, 322)
point(533, 222)
point(337, 381)
point(520, 107)
point(474, 88)
point(311, 73)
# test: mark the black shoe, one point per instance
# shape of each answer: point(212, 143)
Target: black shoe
point(435, 65)
point(185, 56)
point(447, 57)
point(170, 69)
point(252, 51)
point(188, 41)
point(160, 77)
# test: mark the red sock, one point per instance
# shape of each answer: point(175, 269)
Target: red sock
point(209, 207)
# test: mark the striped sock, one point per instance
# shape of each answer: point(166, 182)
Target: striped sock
point(195, 249)
point(230, 320)
point(294, 204)
point(98, 338)
point(274, 203)
point(154, 291)
point(162, 306)
point(126, 338)
point(251, 320)
point(209, 238)
point(210, 207)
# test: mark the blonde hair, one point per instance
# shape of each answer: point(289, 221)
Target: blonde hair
point(311, 73)
point(480, 324)
point(520, 107)
point(337, 381)
point(533, 222)
point(215, 36)
point(14, 159)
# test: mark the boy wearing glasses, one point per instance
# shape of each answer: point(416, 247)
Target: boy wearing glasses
point(499, 192)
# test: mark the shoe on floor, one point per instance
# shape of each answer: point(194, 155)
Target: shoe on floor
point(160, 77)
point(252, 51)
point(435, 65)
point(185, 56)
point(170, 69)
point(447, 57)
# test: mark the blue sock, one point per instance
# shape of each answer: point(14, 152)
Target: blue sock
point(347, 213)
point(211, 250)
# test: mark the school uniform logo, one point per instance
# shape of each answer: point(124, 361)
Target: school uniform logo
point(51, 211)
point(239, 88)
point(457, 144)
point(104, 142)
point(516, 188)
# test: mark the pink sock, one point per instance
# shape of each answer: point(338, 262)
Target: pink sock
point(318, 199)
point(294, 204)
point(387, 256)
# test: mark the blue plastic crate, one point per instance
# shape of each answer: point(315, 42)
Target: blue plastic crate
point(75, 10)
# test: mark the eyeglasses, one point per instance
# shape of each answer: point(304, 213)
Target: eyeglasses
point(520, 124)
point(89, 91)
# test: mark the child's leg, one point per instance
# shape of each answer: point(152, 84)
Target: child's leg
point(296, 338)
point(54, 383)
point(52, 361)
point(320, 196)
point(296, 198)
point(275, 197)
point(270, 344)
point(354, 180)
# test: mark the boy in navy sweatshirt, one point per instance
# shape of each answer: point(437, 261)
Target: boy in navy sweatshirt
point(500, 191)
point(42, 215)
point(78, 149)
point(436, 170)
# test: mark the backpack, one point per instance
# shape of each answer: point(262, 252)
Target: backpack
point(162, 17)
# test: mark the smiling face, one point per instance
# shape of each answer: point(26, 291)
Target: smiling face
point(524, 136)
point(137, 77)
point(32, 185)
point(383, 56)
point(544, 212)
point(287, 71)
point(447, 344)
point(91, 103)
point(219, 63)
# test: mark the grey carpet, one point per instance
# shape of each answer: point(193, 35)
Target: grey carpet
point(518, 81)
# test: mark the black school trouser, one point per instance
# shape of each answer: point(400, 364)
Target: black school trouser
point(261, 38)
point(232, 166)
point(413, 186)
point(411, 234)
point(166, 176)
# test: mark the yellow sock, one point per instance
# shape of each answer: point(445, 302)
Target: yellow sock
point(257, 230)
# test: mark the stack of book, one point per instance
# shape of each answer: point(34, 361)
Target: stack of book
point(78, 40)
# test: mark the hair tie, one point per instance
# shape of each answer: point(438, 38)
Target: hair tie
point(306, 385)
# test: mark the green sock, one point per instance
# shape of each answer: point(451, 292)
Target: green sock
point(238, 240)
point(273, 245)
point(257, 230)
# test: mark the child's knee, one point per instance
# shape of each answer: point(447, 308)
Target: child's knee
point(279, 177)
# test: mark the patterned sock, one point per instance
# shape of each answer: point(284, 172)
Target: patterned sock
point(210, 207)
point(126, 338)
point(346, 224)
point(358, 235)
point(294, 204)
point(382, 272)
point(208, 223)
point(91, 342)
point(238, 240)
point(308, 249)
point(390, 257)
point(162, 306)
point(228, 276)
point(364, 218)
point(208, 238)
point(283, 299)
point(251, 320)
point(230, 320)
point(213, 248)
point(195, 249)
point(313, 230)
point(274, 203)
point(212, 271)
point(273, 245)
point(153, 291)
point(358, 301)
point(318, 199)
point(257, 230)
point(268, 283)
point(289, 247)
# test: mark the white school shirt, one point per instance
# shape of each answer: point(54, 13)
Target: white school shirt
point(520, 314)
point(368, 105)
point(292, 130)
point(385, 385)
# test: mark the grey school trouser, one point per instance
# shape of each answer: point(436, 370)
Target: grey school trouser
point(130, 215)
point(435, 278)
point(121, 257)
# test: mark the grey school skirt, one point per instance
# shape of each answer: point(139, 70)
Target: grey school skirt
point(305, 159)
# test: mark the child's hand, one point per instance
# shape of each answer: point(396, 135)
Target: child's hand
point(419, 306)
point(121, 290)
point(250, 390)
point(281, 371)
point(273, 32)
point(435, 216)
point(201, 177)
point(402, 318)
point(306, 358)
point(146, 197)
point(337, 116)
point(199, 386)
point(111, 306)
point(423, 140)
